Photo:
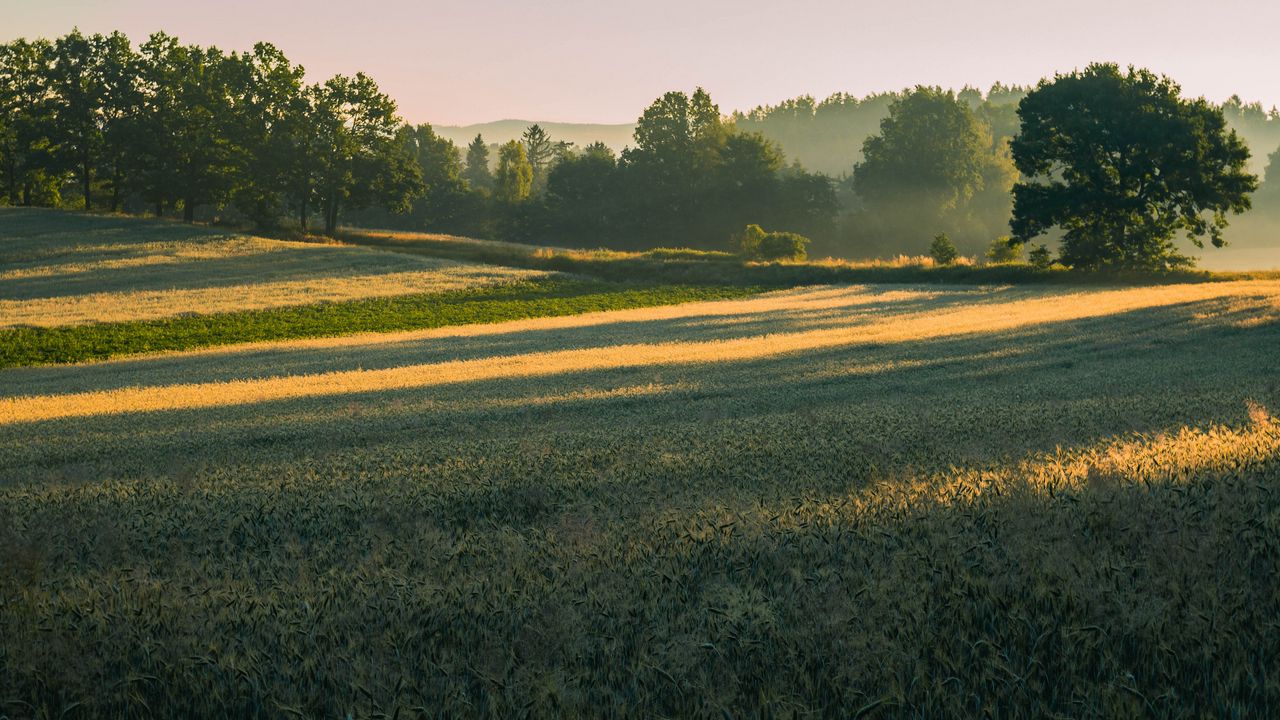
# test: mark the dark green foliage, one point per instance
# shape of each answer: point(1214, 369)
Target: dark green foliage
point(1267, 199)
point(273, 115)
point(933, 166)
point(181, 126)
point(514, 180)
point(583, 194)
point(754, 243)
point(361, 162)
point(1040, 257)
point(78, 343)
point(1120, 162)
point(691, 177)
point(942, 250)
point(783, 246)
point(26, 117)
point(193, 153)
point(477, 172)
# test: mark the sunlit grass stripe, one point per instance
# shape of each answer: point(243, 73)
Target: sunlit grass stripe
point(42, 346)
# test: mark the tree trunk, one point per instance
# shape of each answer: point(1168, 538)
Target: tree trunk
point(87, 176)
point(331, 215)
point(159, 208)
point(26, 194)
point(188, 211)
point(115, 189)
point(302, 214)
point(12, 173)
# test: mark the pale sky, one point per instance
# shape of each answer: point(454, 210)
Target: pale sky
point(466, 61)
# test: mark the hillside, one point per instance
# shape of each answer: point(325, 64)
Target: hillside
point(828, 499)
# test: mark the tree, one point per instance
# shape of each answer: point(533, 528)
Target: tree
point(477, 171)
point(927, 166)
point(26, 116)
point(942, 250)
point(271, 129)
point(120, 113)
point(79, 94)
point(1004, 250)
point(1120, 163)
point(1040, 257)
point(583, 194)
point(747, 242)
point(362, 164)
point(540, 151)
point(186, 146)
point(514, 179)
point(440, 163)
point(1268, 195)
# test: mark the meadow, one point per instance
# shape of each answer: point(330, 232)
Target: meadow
point(65, 269)
point(859, 500)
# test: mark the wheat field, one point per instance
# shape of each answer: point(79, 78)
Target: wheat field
point(876, 501)
point(61, 269)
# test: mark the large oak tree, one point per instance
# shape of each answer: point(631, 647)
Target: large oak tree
point(1120, 163)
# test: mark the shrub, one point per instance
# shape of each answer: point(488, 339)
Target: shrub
point(942, 250)
point(1004, 250)
point(1040, 257)
point(756, 244)
point(783, 246)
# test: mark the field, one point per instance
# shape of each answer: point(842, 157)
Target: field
point(865, 500)
point(79, 269)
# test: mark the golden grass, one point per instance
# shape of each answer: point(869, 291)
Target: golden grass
point(985, 312)
point(98, 273)
point(905, 502)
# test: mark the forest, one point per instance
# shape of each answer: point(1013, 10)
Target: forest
point(165, 128)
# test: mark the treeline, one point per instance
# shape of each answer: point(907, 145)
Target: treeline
point(90, 121)
point(692, 180)
point(827, 136)
point(172, 129)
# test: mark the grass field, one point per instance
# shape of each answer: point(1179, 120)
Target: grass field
point(682, 265)
point(856, 500)
point(65, 269)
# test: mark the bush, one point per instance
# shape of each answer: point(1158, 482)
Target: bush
point(756, 244)
point(1040, 257)
point(1004, 250)
point(942, 250)
point(783, 246)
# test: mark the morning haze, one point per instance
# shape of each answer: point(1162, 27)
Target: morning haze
point(646, 360)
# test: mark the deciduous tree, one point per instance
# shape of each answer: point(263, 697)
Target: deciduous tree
point(1120, 162)
point(514, 179)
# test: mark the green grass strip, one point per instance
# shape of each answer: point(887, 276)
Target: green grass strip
point(78, 343)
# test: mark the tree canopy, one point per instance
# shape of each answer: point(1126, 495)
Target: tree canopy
point(1120, 163)
point(183, 126)
point(514, 179)
point(1115, 164)
point(933, 168)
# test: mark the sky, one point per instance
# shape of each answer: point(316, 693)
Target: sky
point(466, 61)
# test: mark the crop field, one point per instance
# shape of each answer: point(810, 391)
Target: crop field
point(64, 269)
point(853, 500)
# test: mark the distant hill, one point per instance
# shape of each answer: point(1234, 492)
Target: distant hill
point(580, 134)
